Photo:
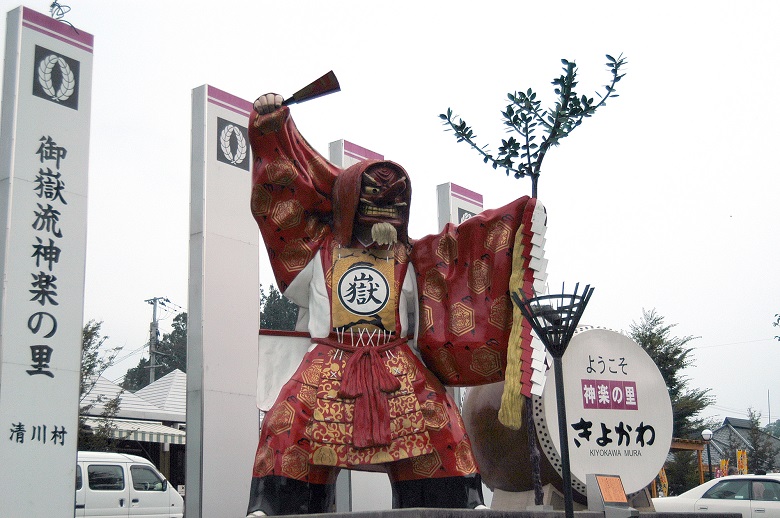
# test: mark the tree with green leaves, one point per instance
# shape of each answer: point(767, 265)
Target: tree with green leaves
point(276, 311)
point(172, 349)
point(171, 355)
point(672, 356)
point(762, 452)
point(682, 473)
point(524, 116)
point(137, 377)
point(95, 359)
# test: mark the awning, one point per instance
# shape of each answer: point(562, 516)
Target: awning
point(144, 431)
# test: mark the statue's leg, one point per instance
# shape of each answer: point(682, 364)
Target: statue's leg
point(449, 492)
point(283, 480)
point(276, 495)
point(448, 477)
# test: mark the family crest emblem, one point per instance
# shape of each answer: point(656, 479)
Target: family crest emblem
point(56, 78)
point(232, 144)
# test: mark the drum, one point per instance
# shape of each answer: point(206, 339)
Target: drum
point(618, 412)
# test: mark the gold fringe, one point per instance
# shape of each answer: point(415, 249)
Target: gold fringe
point(512, 400)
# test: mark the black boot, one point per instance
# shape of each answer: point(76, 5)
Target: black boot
point(448, 493)
point(275, 495)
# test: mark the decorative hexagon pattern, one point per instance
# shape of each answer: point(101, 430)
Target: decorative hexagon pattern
point(287, 214)
point(281, 172)
point(295, 462)
point(426, 465)
point(501, 313)
point(434, 287)
point(498, 237)
point(479, 276)
point(461, 319)
point(281, 419)
point(447, 249)
point(485, 361)
point(261, 200)
point(296, 255)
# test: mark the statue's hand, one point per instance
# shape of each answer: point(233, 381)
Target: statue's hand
point(268, 103)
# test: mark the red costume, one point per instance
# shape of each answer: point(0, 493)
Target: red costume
point(389, 324)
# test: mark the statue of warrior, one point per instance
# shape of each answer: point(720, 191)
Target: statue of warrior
point(392, 320)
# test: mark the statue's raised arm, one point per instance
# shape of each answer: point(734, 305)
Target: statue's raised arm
point(292, 186)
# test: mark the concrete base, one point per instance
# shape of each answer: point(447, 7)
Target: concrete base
point(525, 501)
point(492, 513)
point(454, 513)
point(507, 504)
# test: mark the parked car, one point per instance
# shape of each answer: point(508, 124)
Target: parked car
point(754, 496)
point(114, 484)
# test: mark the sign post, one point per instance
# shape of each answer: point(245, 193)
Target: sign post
point(456, 204)
point(44, 158)
point(224, 312)
point(618, 411)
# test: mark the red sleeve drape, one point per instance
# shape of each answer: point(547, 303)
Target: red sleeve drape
point(463, 276)
point(292, 186)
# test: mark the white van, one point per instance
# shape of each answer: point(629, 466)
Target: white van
point(115, 484)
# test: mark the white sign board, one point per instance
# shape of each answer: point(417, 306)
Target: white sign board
point(456, 204)
point(617, 409)
point(343, 153)
point(224, 313)
point(44, 160)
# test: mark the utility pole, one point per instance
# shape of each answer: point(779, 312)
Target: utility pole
point(154, 334)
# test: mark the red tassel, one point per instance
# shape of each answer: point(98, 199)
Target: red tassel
point(385, 381)
point(365, 378)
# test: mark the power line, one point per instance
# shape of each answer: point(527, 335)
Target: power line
point(169, 308)
point(729, 410)
point(132, 353)
point(154, 334)
point(733, 343)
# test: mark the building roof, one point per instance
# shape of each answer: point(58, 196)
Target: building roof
point(738, 423)
point(146, 414)
point(734, 432)
point(168, 393)
point(131, 406)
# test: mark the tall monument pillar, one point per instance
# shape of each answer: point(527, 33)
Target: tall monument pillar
point(223, 317)
point(44, 158)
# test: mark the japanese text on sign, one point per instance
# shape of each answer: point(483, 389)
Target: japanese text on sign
point(609, 394)
point(24, 434)
point(601, 365)
point(49, 188)
point(615, 436)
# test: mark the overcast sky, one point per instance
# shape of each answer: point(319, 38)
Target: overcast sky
point(666, 199)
